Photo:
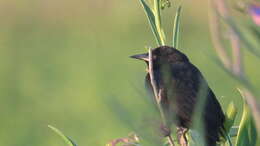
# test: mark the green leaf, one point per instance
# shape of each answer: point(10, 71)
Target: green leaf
point(157, 13)
point(163, 36)
point(233, 131)
point(158, 21)
point(66, 139)
point(176, 28)
point(247, 134)
point(151, 18)
point(230, 116)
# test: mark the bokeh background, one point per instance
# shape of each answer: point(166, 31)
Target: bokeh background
point(64, 63)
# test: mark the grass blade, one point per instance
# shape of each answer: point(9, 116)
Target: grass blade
point(247, 134)
point(158, 21)
point(151, 18)
point(66, 139)
point(157, 12)
point(176, 28)
point(230, 116)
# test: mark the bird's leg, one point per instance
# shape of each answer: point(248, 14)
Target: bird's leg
point(181, 135)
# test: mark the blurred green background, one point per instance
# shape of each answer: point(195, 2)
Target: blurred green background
point(62, 62)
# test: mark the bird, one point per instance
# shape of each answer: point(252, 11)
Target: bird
point(180, 86)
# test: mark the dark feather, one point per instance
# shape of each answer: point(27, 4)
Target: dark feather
point(179, 82)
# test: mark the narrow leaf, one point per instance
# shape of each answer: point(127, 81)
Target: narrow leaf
point(157, 13)
point(66, 139)
point(176, 28)
point(151, 18)
point(247, 134)
point(158, 21)
point(233, 131)
point(230, 116)
point(163, 36)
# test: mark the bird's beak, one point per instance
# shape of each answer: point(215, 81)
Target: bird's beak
point(144, 56)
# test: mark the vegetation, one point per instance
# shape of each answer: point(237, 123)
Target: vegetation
point(54, 71)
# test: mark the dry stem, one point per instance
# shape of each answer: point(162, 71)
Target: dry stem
point(158, 98)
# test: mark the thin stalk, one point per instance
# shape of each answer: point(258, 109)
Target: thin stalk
point(151, 19)
point(156, 94)
point(158, 21)
point(176, 29)
point(155, 90)
point(255, 107)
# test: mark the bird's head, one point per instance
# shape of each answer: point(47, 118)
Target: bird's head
point(162, 55)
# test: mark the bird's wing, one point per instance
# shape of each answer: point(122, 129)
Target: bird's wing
point(184, 86)
point(190, 86)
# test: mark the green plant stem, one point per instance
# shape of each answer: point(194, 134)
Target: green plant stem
point(158, 21)
point(66, 139)
point(176, 28)
point(151, 19)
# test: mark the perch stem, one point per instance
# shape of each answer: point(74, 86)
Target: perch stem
point(157, 97)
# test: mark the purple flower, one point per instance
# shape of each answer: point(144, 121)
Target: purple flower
point(254, 11)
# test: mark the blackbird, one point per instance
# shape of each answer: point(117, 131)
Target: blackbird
point(179, 84)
